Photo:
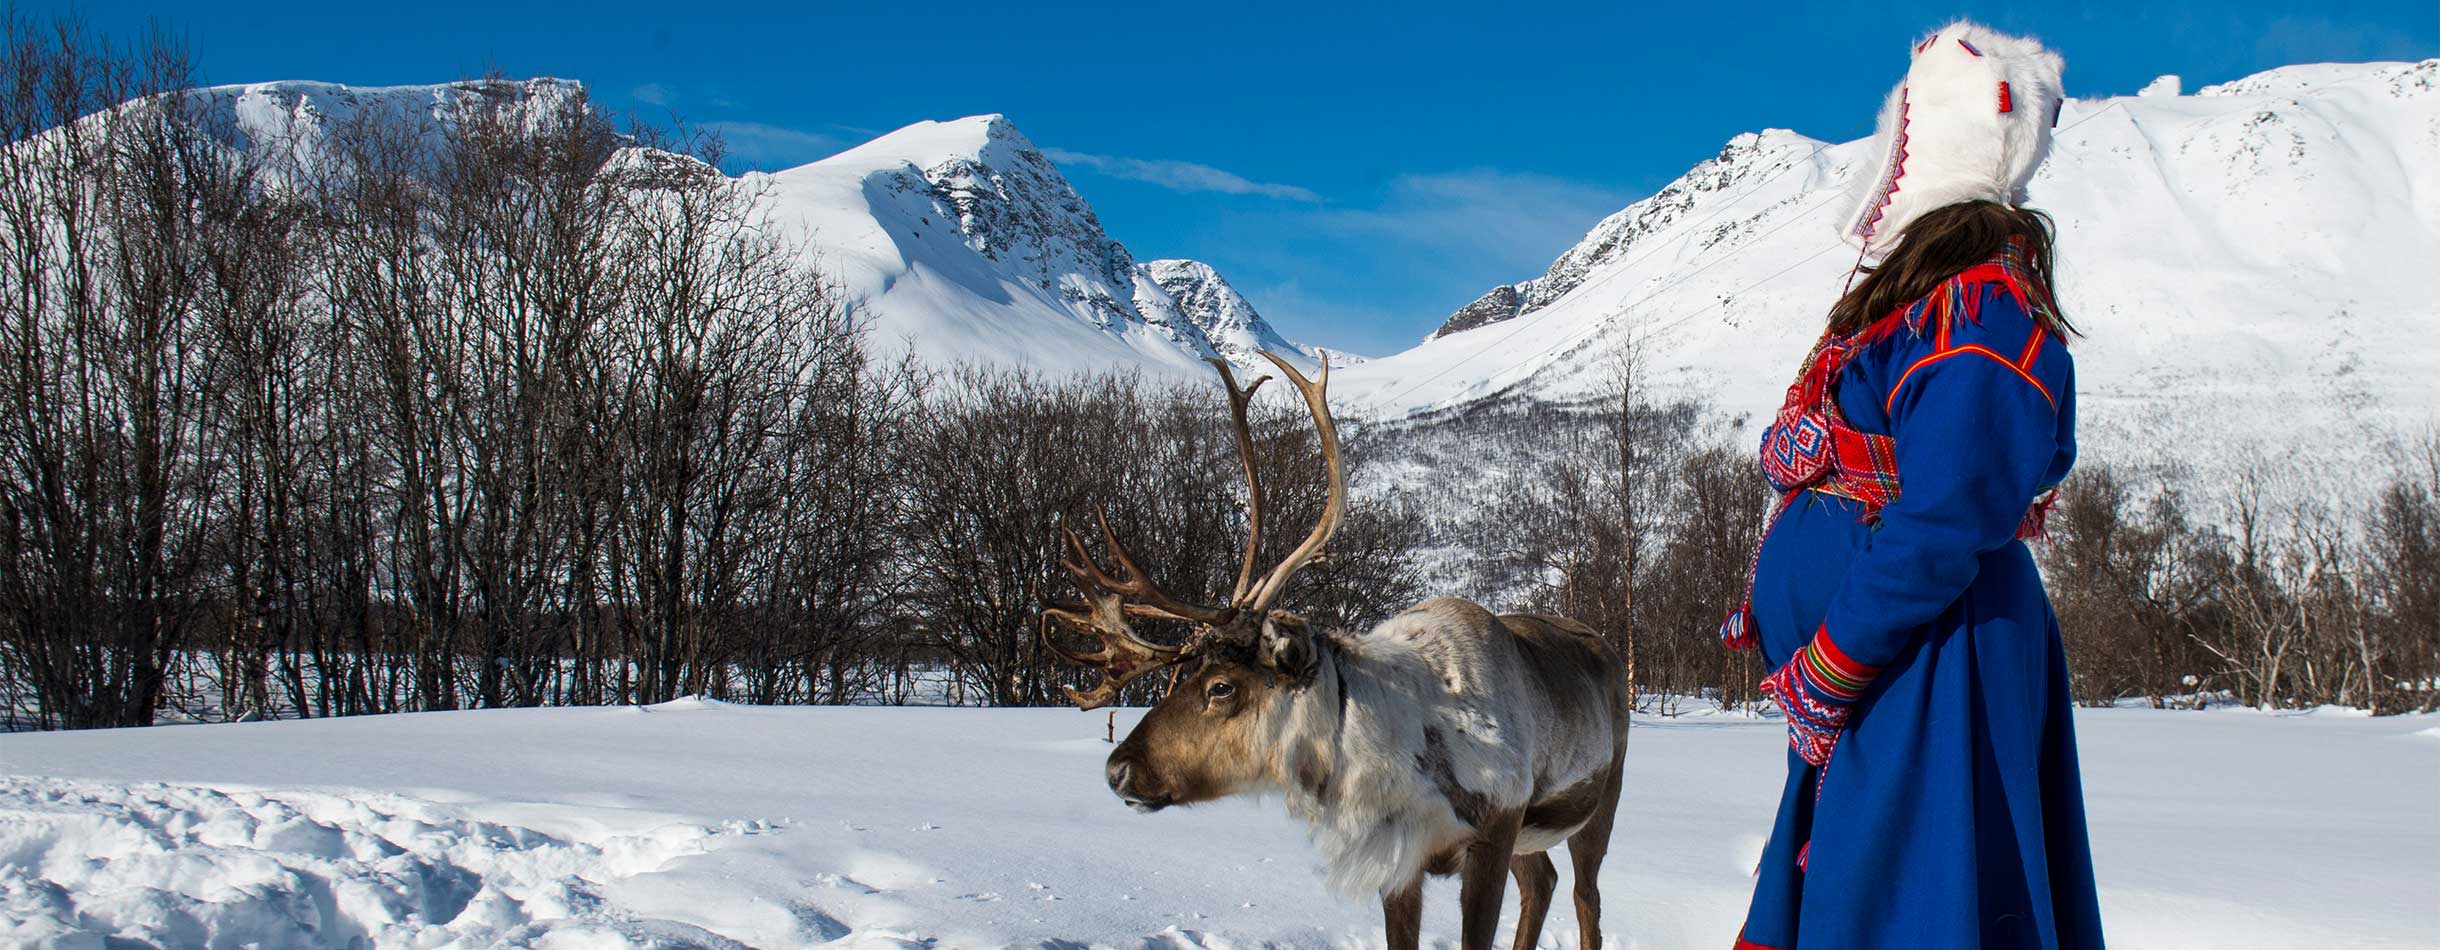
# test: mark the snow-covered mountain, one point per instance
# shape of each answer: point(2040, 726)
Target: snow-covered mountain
point(1228, 320)
point(961, 240)
point(2249, 264)
point(302, 115)
point(958, 240)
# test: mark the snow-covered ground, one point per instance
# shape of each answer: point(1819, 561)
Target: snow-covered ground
point(697, 824)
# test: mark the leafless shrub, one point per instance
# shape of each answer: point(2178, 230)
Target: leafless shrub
point(109, 201)
point(2294, 607)
point(1003, 459)
point(1625, 512)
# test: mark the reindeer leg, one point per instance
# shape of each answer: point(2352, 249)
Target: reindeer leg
point(1585, 850)
point(1402, 915)
point(1536, 878)
point(1483, 880)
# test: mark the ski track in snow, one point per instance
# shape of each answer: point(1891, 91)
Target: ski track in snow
point(701, 825)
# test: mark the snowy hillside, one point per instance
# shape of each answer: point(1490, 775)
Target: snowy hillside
point(957, 239)
point(2249, 263)
point(701, 825)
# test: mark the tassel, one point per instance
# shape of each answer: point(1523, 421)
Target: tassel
point(1961, 296)
point(2036, 526)
point(1821, 778)
point(1737, 630)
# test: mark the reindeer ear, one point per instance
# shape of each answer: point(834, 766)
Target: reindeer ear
point(1287, 648)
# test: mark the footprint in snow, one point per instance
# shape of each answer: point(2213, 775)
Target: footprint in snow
point(844, 883)
point(822, 927)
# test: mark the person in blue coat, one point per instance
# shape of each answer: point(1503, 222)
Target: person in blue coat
point(1932, 796)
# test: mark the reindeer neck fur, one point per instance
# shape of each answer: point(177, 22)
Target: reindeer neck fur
point(1399, 733)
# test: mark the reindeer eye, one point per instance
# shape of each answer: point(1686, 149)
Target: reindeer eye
point(1220, 689)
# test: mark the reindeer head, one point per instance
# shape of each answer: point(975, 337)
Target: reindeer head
point(1203, 740)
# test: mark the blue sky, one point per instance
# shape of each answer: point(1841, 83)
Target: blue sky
point(1357, 171)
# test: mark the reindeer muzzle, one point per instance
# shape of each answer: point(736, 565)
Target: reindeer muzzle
point(1121, 776)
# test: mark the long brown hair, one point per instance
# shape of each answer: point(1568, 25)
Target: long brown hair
point(1941, 244)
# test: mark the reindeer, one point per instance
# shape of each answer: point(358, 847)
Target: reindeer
point(1446, 740)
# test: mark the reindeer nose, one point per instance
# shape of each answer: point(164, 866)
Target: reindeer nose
point(1123, 782)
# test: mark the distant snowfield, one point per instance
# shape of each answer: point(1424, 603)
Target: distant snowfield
point(697, 824)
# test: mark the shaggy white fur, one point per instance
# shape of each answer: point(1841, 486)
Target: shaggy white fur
point(1946, 135)
point(1444, 668)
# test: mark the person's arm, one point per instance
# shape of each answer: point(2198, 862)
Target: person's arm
point(1974, 437)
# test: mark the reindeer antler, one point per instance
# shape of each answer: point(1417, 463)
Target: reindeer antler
point(1135, 586)
point(1317, 401)
point(1123, 656)
point(1109, 600)
point(1238, 401)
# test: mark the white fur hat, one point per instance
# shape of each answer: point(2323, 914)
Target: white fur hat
point(1971, 122)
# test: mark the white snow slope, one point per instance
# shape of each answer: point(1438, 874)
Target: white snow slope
point(2251, 265)
point(696, 824)
point(958, 240)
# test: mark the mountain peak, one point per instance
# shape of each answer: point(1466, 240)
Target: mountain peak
point(1228, 321)
point(1747, 157)
point(988, 139)
point(963, 235)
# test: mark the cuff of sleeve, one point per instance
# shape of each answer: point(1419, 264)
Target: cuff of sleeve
point(1830, 672)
